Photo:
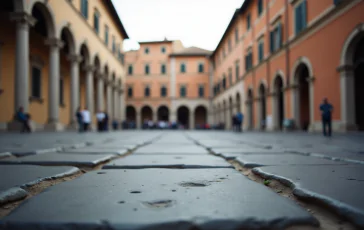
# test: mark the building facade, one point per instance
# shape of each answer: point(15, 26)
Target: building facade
point(167, 82)
point(56, 56)
point(278, 59)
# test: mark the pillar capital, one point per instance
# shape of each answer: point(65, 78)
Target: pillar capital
point(54, 42)
point(345, 68)
point(310, 79)
point(89, 68)
point(23, 18)
point(75, 58)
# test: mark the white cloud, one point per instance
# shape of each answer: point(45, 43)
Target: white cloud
point(195, 22)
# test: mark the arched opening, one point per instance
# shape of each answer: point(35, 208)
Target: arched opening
point(130, 114)
point(231, 113)
point(163, 113)
point(183, 116)
point(303, 115)
point(85, 63)
point(105, 92)
point(66, 100)
point(278, 89)
point(146, 114)
point(238, 103)
point(97, 102)
point(359, 84)
point(263, 106)
point(218, 115)
point(200, 117)
point(250, 109)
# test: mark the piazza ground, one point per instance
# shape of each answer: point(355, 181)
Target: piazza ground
point(181, 179)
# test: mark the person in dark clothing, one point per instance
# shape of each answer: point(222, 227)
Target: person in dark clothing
point(106, 122)
point(79, 118)
point(326, 110)
point(235, 121)
point(24, 119)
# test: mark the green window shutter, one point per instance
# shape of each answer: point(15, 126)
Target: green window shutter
point(272, 41)
point(280, 34)
point(304, 14)
point(298, 18)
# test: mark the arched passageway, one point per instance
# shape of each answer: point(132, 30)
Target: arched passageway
point(250, 110)
point(359, 84)
point(279, 102)
point(183, 116)
point(130, 114)
point(146, 114)
point(263, 106)
point(303, 97)
point(200, 117)
point(163, 113)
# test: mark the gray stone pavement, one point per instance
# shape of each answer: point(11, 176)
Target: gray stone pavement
point(154, 187)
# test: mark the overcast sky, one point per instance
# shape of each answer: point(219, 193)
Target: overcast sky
point(198, 23)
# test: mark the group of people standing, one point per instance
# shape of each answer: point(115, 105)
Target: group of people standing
point(84, 120)
point(238, 122)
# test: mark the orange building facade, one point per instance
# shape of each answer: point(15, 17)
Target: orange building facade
point(168, 82)
point(278, 59)
point(56, 56)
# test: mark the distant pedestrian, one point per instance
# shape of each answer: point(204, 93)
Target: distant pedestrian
point(86, 119)
point(100, 116)
point(79, 119)
point(240, 120)
point(24, 119)
point(326, 114)
point(106, 121)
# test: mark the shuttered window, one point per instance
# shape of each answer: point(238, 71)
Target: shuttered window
point(36, 82)
point(300, 17)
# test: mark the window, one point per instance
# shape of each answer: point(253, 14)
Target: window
point(113, 45)
point(163, 91)
point(260, 7)
point(229, 44)
point(130, 91)
point(201, 91)
point(248, 22)
point(146, 50)
point(276, 38)
point(84, 8)
point(36, 82)
point(230, 76)
point(61, 93)
point(183, 92)
point(224, 82)
point(163, 69)
point(249, 61)
point(261, 51)
point(146, 69)
point(300, 17)
point(163, 49)
point(147, 91)
point(96, 21)
point(337, 2)
point(106, 35)
point(183, 68)
point(237, 71)
point(200, 68)
point(130, 70)
point(236, 35)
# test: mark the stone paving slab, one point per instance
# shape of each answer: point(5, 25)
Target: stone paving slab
point(57, 159)
point(242, 150)
point(337, 186)
point(158, 199)
point(31, 151)
point(126, 146)
point(97, 151)
point(169, 161)
point(232, 156)
point(5, 155)
point(171, 149)
point(257, 160)
point(14, 178)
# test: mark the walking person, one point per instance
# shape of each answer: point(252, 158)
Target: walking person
point(240, 120)
point(86, 119)
point(100, 117)
point(79, 119)
point(24, 119)
point(326, 110)
point(235, 123)
point(106, 122)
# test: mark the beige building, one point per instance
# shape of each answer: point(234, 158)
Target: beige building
point(56, 56)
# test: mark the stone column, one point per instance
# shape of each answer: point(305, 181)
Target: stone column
point(116, 104)
point(173, 116)
point(260, 111)
point(192, 120)
point(90, 88)
point(74, 86)
point(21, 83)
point(100, 92)
point(138, 120)
point(55, 45)
point(109, 99)
point(275, 118)
point(122, 110)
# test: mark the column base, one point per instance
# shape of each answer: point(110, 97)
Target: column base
point(15, 125)
point(54, 126)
